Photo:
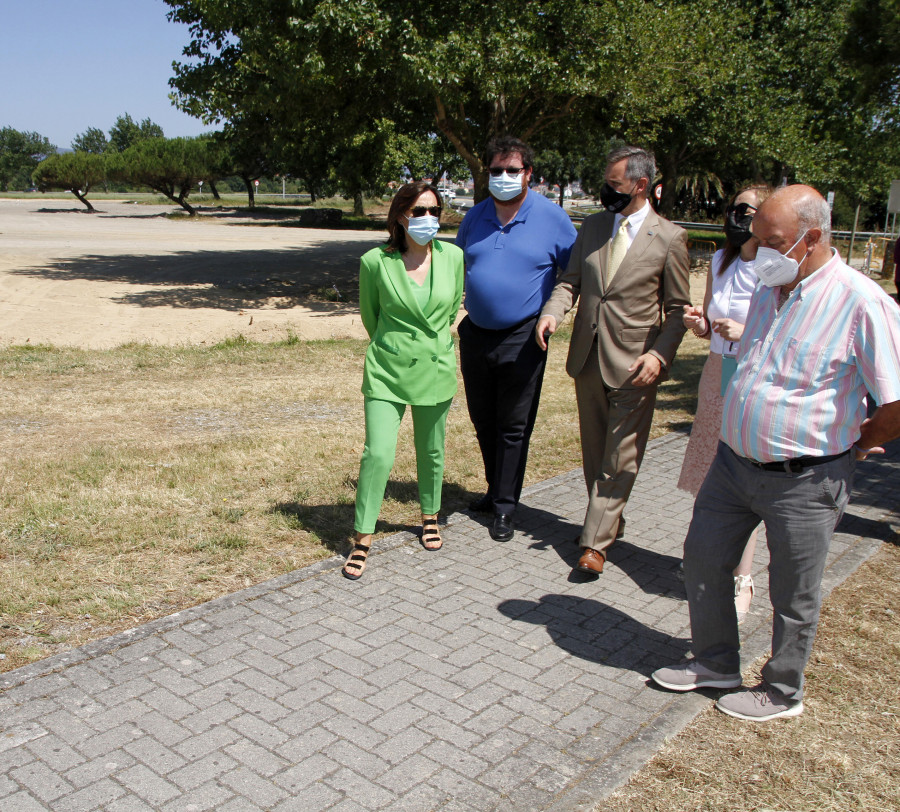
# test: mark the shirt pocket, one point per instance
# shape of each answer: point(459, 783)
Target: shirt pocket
point(802, 365)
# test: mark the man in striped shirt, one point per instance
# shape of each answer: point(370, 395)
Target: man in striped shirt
point(819, 335)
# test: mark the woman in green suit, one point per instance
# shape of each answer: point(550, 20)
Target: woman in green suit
point(410, 290)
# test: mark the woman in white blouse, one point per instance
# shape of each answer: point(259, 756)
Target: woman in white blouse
point(730, 283)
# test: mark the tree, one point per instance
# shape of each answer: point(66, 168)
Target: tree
point(367, 161)
point(429, 155)
point(20, 153)
point(755, 87)
point(247, 144)
point(170, 166)
point(92, 140)
point(74, 172)
point(572, 150)
point(872, 43)
point(447, 67)
point(126, 132)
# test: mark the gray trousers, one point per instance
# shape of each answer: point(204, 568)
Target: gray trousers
point(800, 512)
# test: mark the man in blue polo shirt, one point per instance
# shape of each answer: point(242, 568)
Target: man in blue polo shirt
point(514, 244)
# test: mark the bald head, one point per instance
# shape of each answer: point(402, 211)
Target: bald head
point(799, 207)
point(791, 214)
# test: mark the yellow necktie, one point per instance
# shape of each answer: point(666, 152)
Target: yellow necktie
point(617, 251)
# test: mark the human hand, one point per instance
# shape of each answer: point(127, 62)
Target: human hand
point(861, 451)
point(693, 318)
point(546, 327)
point(729, 329)
point(648, 368)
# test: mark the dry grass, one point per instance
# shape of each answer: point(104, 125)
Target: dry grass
point(842, 754)
point(141, 480)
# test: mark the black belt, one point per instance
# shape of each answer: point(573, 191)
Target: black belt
point(796, 465)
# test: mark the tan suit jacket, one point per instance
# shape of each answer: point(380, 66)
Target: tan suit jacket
point(642, 309)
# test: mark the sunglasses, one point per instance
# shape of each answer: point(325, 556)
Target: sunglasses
point(421, 211)
point(512, 171)
point(742, 209)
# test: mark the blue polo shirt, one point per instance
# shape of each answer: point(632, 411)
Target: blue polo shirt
point(511, 269)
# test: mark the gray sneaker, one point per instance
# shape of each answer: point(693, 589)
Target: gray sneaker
point(758, 704)
point(690, 675)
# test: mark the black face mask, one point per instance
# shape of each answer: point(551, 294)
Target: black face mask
point(612, 200)
point(737, 223)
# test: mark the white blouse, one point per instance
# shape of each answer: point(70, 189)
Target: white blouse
point(731, 292)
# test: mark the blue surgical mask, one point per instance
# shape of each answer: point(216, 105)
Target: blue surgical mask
point(422, 229)
point(505, 187)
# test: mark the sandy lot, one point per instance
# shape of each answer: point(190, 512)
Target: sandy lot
point(129, 274)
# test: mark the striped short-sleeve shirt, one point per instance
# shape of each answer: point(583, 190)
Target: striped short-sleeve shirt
point(804, 370)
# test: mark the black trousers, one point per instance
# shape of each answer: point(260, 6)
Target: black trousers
point(503, 371)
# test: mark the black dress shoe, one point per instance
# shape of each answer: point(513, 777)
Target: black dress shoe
point(483, 504)
point(503, 528)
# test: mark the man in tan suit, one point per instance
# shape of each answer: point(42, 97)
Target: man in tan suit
point(629, 268)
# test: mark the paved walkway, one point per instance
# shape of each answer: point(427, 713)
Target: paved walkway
point(485, 677)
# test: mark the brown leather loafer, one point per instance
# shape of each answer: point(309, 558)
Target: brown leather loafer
point(591, 561)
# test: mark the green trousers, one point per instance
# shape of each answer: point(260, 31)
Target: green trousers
point(382, 425)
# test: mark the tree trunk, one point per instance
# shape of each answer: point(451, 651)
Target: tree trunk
point(181, 200)
point(212, 186)
point(83, 199)
point(460, 137)
point(358, 209)
point(251, 195)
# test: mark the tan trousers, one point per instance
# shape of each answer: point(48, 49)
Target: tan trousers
point(615, 424)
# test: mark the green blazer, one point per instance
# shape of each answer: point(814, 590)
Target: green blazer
point(411, 356)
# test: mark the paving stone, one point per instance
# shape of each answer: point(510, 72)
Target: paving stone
point(95, 796)
point(253, 788)
point(22, 802)
point(467, 681)
point(147, 785)
point(199, 772)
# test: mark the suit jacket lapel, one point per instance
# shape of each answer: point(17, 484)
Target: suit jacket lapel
point(399, 279)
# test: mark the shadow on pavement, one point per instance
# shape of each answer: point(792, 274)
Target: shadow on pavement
point(598, 632)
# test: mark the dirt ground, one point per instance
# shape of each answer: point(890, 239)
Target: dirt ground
point(130, 274)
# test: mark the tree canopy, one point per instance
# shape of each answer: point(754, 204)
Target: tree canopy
point(91, 140)
point(170, 166)
point(126, 132)
point(731, 88)
point(20, 153)
point(75, 172)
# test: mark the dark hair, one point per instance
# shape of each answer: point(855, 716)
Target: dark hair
point(406, 195)
point(730, 252)
point(506, 144)
point(641, 163)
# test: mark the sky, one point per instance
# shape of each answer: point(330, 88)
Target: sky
point(66, 65)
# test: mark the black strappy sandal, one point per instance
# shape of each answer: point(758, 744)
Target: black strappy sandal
point(431, 535)
point(357, 559)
